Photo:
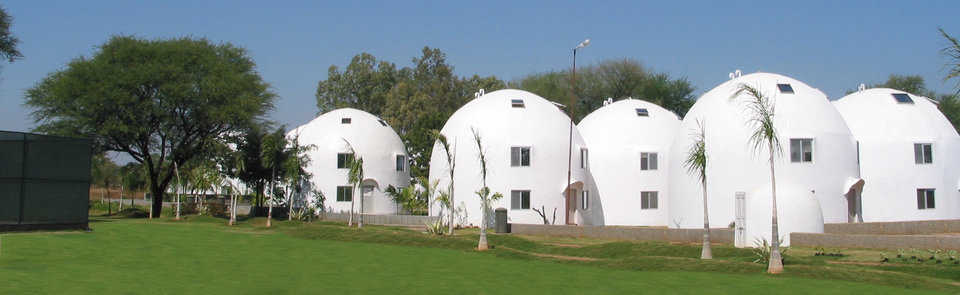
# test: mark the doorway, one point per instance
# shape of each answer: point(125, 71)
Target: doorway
point(367, 195)
point(740, 223)
point(571, 206)
point(854, 206)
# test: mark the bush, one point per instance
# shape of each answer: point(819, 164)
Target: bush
point(762, 250)
point(134, 212)
point(217, 209)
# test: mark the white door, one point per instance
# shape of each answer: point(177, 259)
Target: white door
point(740, 224)
point(367, 199)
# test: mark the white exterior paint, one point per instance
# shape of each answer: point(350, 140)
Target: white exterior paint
point(733, 165)
point(887, 131)
point(540, 125)
point(616, 137)
point(372, 139)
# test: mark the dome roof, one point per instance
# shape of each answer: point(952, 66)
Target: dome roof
point(364, 131)
point(629, 122)
point(876, 113)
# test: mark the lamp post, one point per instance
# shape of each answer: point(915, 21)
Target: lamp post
point(572, 111)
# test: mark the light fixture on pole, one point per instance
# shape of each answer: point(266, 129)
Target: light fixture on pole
point(572, 111)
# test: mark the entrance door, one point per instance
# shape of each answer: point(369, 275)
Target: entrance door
point(854, 211)
point(571, 206)
point(740, 223)
point(367, 199)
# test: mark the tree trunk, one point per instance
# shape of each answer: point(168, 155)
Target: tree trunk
point(233, 210)
point(120, 207)
point(452, 207)
point(360, 223)
point(290, 203)
point(706, 253)
point(350, 220)
point(776, 261)
point(157, 201)
point(270, 200)
point(482, 246)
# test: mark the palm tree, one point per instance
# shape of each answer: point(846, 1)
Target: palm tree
point(484, 192)
point(696, 163)
point(356, 178)
point(295, 169)
point(273, 156)
point(952, 51)
point(451, 164)
point(765, 136)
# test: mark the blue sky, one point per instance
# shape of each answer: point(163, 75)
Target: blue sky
point(831, 45)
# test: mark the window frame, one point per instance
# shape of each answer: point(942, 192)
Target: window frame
point(785, 88)
point(346, 120)
point(520, 194)
point(926, 198)
point(643, 112)
point(401, 163)
point(584, 158)
point(344, 193)
point(520, 154)
point(344, 163)
point(517, 103)
point(923, 153)
point(802, 154)
point(645, 200)
point(897, 97)
point(645, 161)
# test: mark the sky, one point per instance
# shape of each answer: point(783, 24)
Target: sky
point(831, 45)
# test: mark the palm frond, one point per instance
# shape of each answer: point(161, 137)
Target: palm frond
point(696, 161)
point(762, 111)
point(952, 51)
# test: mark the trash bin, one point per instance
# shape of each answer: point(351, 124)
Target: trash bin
point(500, 220)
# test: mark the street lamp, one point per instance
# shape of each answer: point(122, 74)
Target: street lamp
point(572, 111)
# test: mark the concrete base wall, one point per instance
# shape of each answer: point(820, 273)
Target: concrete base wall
point(383, 219)
point(634, 233)
point(875, 241)
point(894, 228)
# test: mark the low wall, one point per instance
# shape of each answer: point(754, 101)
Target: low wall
point(383, 219)
point(894, 228)
point(875, 241)
point(634, 233)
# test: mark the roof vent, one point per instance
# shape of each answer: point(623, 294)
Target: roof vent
point(478, 94)
point(738, 73)
point(607, 101)
point(516, 102)
point(382, 122)
point(785, 88)
point(345, 120)
point(642, 112)
point(862, 87)
point(902, 98)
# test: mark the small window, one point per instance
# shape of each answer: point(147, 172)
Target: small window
point(344, 193)
point(785, 88)
point(520, 156)
point(648, 200)
point(517, 103)
point(648, 161)
point(585, 200)
point(923, 153)
point(401, 162)
point(925, 198)
point(902, 98)
point(519, 200)
point(345, 120)
point(801, 150)
point(584, 158)
point(643, 113)
point(343, 160)
point(382, 122)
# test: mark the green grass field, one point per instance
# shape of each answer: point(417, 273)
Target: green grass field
point(203, 256)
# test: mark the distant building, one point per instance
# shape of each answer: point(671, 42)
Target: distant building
point(630, 142)
point(339, 135)
point(908, 154)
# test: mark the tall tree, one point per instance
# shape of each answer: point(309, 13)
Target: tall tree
point(765, 136)
point(8, 42)
point(451, 157)
point(160, 101)
point(909, 83)
point(484, 192)
point(696, 163)
point(273, 155)
point(295, 169)
point(363, 85)
point(952, 52)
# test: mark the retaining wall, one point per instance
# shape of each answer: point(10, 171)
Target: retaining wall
point(383, 219)
point(634, 233)
point(875, 241)
point(894, 228)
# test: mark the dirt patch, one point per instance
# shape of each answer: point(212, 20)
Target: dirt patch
point(561, 257)
point(564, 245)
point(856, 263)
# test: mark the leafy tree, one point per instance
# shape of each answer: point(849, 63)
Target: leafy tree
point(696, 163)
point(909, 83)
point(8, 42)
point(363, 85)
point(765, 136)
point(160, 101)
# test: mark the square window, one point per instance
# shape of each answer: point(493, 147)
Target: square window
point(585, 200)
point(519, 199)
point(923, 153)
point(345, 120)
point(648, 200)
point(643, 113)
point(401, 162)
point(344, 193)
point(801, 150)
point(648, 161)
point(517, 103)
point(925, 198)
point(520, 156)
point(343, 160)
point(902, 98)
point(785, 88)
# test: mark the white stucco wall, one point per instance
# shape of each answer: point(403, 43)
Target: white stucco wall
point(616, 137)
point(373, 140)
point(887, 131)
point(539, 125)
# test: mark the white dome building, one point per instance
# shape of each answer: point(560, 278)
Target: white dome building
point(334, 134)
point(629, 144)
point(908, 155)
point(526, 141)
point(818, 163)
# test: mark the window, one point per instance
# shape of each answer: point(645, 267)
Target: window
point(345, 120)
point(585, 200)
point(401, 162)
point(584, 158)
point(648, 200)
point(643, 113)
point(923, 153)
point(344, 193)
point(519, 200)
point(520, 156)
point(925, 198)
point(648, 161)
point(902, 98)
point(785, 88)
point(343, 160)
point(517, 103)
point(382, 122)
point(801, 150)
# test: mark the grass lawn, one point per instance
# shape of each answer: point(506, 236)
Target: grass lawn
point(202, 256)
